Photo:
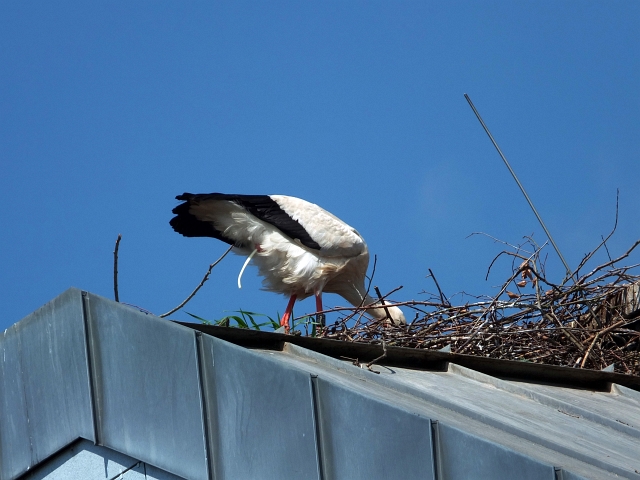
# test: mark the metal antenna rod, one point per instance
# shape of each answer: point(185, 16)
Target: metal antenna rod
point(504, 159)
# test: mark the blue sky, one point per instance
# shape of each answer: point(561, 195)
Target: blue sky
point(111, 109)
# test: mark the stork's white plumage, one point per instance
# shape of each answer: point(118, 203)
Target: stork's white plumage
point(300, 249)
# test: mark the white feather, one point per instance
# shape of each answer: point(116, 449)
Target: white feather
point(245, 266)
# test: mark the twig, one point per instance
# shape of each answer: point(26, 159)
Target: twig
point(606, 249)
point(442, 297)
point(384, 344)
point(115, 269)
point(373, 273)
point(381, 300)
point(615, 260)
point(603, 243)
point(504, 252)
point(496, 240)
point(600, 333)
point(502, 290)
point(204, 279)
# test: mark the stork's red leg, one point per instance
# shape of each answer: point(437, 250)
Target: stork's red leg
point(284, 321)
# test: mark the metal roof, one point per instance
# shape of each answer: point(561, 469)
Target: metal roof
point(202, 402)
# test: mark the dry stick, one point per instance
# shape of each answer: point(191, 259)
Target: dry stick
point(574, 274)
point(373, 273)
point(493, 304)
point(601, 332)
point(384, 344)
point(604, 241)
point(373, 306)
point(606, 249)
point(577, 280)
point(615, 260)
point(496, 240)
point(115, 269)
point(384, 305)
point(204, 279)
point(611, 262)
point(566, 332)
point(505, 252)
point(442, 297)
point(553, 317)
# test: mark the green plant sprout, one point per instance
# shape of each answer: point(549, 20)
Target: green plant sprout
point(248, 320)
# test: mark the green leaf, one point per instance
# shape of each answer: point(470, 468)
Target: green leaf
point(245, 319)
point(206, 322)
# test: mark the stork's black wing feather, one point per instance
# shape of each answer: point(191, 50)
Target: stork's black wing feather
point(189, 225)
point(261, 206)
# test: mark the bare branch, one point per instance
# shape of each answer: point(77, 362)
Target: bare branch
point(603, 243)
point(204, 279)
point(384, 344)
point(115, 269)
point(442, 297)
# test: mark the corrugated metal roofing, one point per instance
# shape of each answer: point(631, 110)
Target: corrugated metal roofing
point(202, 407)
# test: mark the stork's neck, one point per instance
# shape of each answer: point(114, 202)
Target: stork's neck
point(357, 296)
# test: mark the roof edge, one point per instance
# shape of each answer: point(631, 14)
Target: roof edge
point(581, 378)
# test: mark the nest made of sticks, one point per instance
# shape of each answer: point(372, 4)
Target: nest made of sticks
point(588, 320)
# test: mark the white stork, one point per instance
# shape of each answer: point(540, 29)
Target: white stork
point(300, 249)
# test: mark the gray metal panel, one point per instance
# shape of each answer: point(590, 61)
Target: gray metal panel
point(15, 447)
point(572, 476)
point(86, 461)
point(467, 457)
point(147, 388)
point(261, 415)
point(47, 348)
point(524, 416)
point(618, 410)
point(428, 394)
point(363, 438)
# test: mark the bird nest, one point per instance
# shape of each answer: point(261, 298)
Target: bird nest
point(589, 320)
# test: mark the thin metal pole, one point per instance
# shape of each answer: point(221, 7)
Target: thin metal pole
point(504, 159)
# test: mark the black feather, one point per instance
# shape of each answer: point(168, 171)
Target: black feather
point(188, 225)
point(261, 206)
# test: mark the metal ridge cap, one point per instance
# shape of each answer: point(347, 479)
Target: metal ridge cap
point(426, 359)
